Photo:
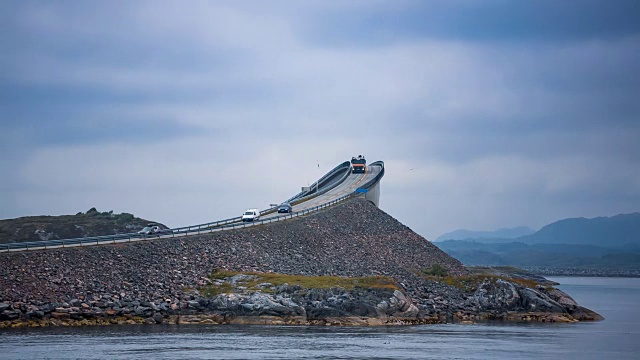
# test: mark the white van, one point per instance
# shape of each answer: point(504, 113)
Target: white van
point(251, 215)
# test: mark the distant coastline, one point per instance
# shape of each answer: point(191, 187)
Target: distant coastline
point(556, 271)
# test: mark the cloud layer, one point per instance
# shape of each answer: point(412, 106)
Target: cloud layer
point(487, 114)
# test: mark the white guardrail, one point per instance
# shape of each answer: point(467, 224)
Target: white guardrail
point(222, 225)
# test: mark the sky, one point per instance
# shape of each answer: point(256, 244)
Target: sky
point(487, 114)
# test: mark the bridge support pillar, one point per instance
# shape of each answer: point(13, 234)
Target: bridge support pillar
point(373, 194)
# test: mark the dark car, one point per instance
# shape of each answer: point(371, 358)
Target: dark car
point(285, 208)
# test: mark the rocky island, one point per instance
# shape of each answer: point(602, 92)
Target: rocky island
point(351, 264)
point(82, 224)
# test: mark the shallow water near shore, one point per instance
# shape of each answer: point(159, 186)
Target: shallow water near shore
point(617, 337)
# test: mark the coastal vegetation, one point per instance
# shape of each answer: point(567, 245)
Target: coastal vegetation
point(436, 270)
point(267, 281)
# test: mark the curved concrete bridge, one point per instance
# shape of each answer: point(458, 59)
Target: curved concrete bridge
point(336, 186)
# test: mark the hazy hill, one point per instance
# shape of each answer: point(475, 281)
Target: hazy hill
point(91, 223)
point(540, 255)
point(603, 242)
point(617, 231)
point(505, 233)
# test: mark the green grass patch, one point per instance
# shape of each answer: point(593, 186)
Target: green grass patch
point(470, 283)
point(436, 270)
point(213, 290)
point(221, 275)
point(305, 282)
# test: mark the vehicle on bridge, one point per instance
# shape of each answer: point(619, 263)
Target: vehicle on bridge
point(152, 229)
point(358, 164)
point(251, 215)
point(285, 208)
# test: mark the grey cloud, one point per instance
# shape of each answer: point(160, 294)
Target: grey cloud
point(500, 129)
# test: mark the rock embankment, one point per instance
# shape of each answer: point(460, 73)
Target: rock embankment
point(158, 280)
point(265, 304)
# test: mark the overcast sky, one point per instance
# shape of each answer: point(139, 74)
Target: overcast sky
point(509, 112)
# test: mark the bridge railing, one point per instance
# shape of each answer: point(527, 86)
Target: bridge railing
point(333, 172)
point(189, 230)
point(325, 189)
point(376, 178)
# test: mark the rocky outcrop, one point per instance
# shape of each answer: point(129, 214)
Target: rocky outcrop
point(571, 306)
point(503, 295)
point(272, 304)
point(312, 305)
point(91, 223)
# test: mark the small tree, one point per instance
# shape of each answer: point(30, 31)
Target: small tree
point(437, 270)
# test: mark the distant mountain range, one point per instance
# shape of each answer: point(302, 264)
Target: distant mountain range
point(603, 242)
point(617, 231)
point(505, 233)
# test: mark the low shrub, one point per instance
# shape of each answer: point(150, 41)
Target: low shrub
point(436, 270)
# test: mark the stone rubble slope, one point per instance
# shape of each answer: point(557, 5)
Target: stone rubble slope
point(351, 239)
point(158, 278)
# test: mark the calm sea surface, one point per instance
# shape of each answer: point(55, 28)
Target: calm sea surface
point(617, 337)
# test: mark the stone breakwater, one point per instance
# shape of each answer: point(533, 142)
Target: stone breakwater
point(161, 280)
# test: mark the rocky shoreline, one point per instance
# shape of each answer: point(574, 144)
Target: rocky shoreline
point(597, 272)
point(174, 281)
point(294, 305)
